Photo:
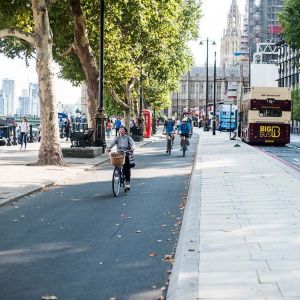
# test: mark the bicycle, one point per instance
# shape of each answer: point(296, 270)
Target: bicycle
point(183, 145)
point(169, 143)
point(117, 159)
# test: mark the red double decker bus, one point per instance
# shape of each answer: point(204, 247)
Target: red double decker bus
point(265, 116)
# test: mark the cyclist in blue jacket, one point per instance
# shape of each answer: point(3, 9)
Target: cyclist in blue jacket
point(169, 129)
point(185, 130)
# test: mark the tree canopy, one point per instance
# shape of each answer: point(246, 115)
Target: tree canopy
point(296, 104)
point(140, 35)
point(290, 19)
point(148, 36)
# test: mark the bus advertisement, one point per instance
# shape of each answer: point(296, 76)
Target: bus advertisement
point(266, 115)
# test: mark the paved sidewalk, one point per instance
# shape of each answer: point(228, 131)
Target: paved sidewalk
point(240, 237)
point(17, 179)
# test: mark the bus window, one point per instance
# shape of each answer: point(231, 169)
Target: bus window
point(270, 112)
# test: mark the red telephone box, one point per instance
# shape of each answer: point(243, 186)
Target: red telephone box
point(147, 114)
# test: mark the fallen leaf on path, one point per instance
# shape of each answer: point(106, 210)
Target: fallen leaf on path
point(169, 258)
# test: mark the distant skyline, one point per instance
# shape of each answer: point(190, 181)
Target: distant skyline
point(17, 70)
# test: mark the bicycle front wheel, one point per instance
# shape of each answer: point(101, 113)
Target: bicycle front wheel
point(116, 181)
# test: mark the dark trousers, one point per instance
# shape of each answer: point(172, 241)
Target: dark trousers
point(24, 139)
point(126, 169)
point(67, 132)
point(117, 131)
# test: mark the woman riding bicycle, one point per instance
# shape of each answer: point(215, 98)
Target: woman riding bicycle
point(124, 143)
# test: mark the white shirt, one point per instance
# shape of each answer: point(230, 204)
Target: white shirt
point(24, 127)
point(123, 143)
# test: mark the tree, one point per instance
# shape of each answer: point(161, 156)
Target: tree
point(290, 19)
point(296, 104)
point(139, 34)
point(25, 31)
point(147, 35)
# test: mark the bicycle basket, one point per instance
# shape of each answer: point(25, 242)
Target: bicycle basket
point(117, 159)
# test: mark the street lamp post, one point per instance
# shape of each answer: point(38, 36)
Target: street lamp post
point(140, 119)
point(100, 117)
point(206, 125)
point(214, 117)
point(177, 105)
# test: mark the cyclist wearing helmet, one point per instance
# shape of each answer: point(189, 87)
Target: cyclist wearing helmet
point(169, 129)
point(185, 130)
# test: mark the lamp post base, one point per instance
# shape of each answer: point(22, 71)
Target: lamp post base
point(99, 140)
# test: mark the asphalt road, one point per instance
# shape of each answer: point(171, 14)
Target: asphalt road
point(77, 242)
point(289, 153)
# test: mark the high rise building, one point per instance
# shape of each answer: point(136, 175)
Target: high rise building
point(34, 99)
point(24, 106)
point(231, 41)
point(3, 104)
point(8, 91)
point(263, 28)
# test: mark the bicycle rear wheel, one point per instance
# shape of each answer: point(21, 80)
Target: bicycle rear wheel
point(183, 147)
point(169, 146)
point(116, 181)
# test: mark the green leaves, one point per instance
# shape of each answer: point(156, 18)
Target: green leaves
point(296, 104)
point(16, 14)
point(147, 34)
point(290, 20)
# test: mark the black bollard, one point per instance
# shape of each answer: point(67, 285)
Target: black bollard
point(8, 142)
point(8, 139)
point(14, 135)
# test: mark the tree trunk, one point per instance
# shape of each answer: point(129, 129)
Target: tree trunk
point(87, 60)
point(127, 116)
point(135, 108)
point(50, 150)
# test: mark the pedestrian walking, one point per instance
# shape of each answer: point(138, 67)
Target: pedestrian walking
point(24, 129)
point(67, 128)
point(118, 125)
point(108, 127)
